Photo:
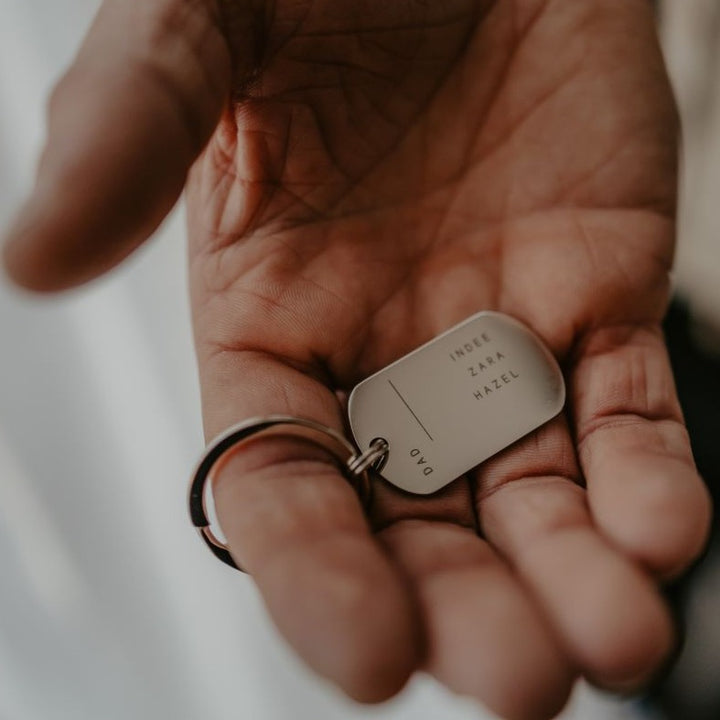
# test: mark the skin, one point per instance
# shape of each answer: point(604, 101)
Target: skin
point(361, 176)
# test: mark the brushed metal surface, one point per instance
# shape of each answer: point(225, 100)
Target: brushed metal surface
point(457, 400)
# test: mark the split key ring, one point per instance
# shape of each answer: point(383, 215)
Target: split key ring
point(353, 465)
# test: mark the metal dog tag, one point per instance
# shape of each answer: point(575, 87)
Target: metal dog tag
point(457, 400)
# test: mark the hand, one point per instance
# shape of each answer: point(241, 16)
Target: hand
point(384, 171)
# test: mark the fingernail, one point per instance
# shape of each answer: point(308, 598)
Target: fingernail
point(19, 225)
point(16, 245)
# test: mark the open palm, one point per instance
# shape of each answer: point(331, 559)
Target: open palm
point(383, 171)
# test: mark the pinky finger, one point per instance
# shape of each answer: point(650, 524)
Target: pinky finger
point(643, 488)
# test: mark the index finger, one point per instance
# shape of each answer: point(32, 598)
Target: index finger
point(297, 526)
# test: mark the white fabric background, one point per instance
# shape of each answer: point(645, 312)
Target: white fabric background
point(110, 607)
point(691, 35)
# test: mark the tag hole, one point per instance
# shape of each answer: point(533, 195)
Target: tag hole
point(380, 463)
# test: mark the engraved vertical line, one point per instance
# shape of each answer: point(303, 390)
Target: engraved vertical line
point(397, 392)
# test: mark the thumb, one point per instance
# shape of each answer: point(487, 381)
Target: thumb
point(125, 124)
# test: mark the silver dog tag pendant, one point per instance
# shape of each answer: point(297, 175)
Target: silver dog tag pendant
point(457, 400)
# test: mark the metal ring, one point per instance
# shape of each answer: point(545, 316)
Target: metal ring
point(373, 457)
point(273, 425)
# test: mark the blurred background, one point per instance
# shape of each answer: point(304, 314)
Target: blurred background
point(110, 607)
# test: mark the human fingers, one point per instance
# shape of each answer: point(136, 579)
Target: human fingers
point(125, 124)
point(607, 614)
point(486, 638)
point(644, 492)
point(294, 523)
